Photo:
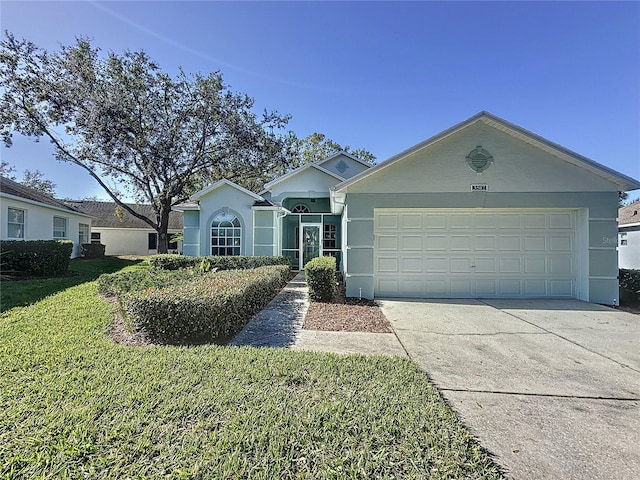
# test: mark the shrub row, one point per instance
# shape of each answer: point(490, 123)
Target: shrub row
point(120, 283)
point(37, 258)
point(630, 280)
point(212, 306)
point(175, 262)
point(320, 274)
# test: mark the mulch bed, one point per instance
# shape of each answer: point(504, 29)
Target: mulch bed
point(346, 315)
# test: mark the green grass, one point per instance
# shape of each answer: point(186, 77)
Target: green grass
point(75, 405)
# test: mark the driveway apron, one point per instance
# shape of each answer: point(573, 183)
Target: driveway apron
point(550, 387)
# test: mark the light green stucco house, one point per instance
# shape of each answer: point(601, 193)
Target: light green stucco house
point(483, 209)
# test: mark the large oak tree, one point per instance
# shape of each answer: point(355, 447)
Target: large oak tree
point(134, 128)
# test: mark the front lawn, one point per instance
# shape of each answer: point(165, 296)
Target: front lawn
point(75, 405)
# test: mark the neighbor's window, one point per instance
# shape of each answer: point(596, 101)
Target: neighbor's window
point(95, 237)
point(623, 239)
point(83, 233)
point(15, 223)
point(226, 235)
point(59, 227)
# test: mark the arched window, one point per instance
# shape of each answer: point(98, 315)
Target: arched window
point(300, 208)
point(226, 235)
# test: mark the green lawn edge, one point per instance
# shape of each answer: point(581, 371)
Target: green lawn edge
point(75, 405)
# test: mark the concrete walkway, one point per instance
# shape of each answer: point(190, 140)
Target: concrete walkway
point(280, 325)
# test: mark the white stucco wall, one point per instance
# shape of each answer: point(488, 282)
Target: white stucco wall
point(127, 241)
point(38, 221)
point(629, 254)
point(226, 198)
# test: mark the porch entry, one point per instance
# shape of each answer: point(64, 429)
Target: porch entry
point(307, 236)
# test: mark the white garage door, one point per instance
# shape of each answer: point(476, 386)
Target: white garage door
point(489, 253)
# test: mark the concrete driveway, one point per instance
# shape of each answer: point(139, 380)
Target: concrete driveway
point(550, 387)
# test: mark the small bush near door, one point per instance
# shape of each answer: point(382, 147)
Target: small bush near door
point(320, 274)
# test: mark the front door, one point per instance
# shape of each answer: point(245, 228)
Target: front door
point(311, 242)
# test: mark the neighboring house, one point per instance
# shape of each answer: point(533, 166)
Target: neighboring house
point(27, 214)
point(629, 236)
point(124, 234)
point(485, 209)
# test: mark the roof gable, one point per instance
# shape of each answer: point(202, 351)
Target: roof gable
point(300, 170)
point(205, 191)
point(623, 182)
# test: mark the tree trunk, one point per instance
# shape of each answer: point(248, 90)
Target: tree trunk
point(163, 235)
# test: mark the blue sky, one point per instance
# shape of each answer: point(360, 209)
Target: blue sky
point(378, 75)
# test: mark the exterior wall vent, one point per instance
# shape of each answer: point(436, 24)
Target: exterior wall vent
point(342, 166)
point(479, 159)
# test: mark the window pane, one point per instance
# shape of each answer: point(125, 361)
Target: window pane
point(15, 231)
point(59, 227)
point(16, 215)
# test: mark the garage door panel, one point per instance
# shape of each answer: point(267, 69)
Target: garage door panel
point(468, 255)
point(510, 265)
point(436, 242)
point(411, 243)
point(460, 265)
point(436, 265)
point(388, 265)
point(510, 287)
point(460, 243)
point(486, 287)
point(411, 264)
point(510, 243)
point(411, 220)
point(535, 220)
point(387, 243)
point(485, 243)
point(561, 243)
point(486, 264)
point(561, 220)
point(535, 243)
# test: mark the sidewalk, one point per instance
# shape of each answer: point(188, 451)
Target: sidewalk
point(280, 325)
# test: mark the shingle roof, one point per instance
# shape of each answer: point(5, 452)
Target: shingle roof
point(10, 187)
point(104, 214)
point(629, 214)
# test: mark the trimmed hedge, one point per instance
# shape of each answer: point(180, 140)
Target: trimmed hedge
point(320, 274)
point(630, 280)
point(213, 306)
point(175, 262)
point(120, 283)
point(37, 258)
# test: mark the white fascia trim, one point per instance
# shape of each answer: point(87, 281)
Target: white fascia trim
point(624, 182)
point(263, 207)
point(178, 208)
point(44, 205)
point(625, 225)
point(196, 196)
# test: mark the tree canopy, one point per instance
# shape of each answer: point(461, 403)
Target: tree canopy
point(317, 146)
point(30, 178)
point(120, 117)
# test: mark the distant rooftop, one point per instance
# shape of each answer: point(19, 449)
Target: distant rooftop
point(104, 214)
point(629, 214)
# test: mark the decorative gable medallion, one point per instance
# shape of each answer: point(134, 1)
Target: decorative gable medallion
point(341, 166)
point(479, 159)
